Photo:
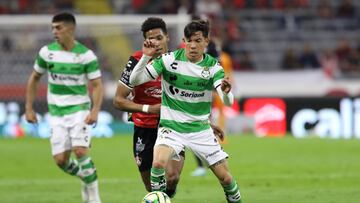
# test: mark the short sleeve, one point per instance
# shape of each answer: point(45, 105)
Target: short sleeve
point(219, 74)
point(91, 65)
point(40, 65)
point(156, 67)
point(125, 76)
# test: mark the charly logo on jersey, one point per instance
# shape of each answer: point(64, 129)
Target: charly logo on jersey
point(174, 65)
point(153, 92)
point(183, 93)
point(51, 56)
point(205, 73)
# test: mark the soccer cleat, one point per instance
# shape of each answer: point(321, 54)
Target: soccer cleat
point(199, 171)
point(93, 192)
point(236, 198)
point(94, 201)
point(84, 192)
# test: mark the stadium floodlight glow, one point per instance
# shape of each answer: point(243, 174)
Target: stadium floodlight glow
point(180, 20)
point(92, 19)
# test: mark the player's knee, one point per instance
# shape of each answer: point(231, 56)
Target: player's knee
point(159, 164)
point(61, 161)
point(80, 152)
point(226, 179)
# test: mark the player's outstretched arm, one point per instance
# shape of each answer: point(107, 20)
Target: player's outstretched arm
point(224, 91)
point(140, 75)
point(31, 90)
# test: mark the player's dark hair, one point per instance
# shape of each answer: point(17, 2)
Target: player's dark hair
point(64, 17)
point(153, 23)
point(195, 26)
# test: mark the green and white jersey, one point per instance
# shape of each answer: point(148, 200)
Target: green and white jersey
point(186, 90)
point(68, 75)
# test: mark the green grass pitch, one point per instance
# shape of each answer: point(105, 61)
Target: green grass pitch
point(268, 170)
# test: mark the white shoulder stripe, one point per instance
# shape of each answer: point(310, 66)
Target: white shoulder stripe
point(61, 56)
point(38, 69)
point(168, 59)
point(215, 69)
point(44, 52)
point(94, 75)
point(88, 57)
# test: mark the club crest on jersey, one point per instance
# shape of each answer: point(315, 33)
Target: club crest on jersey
point(163, 132)
point(205, 73)
point(76, 58)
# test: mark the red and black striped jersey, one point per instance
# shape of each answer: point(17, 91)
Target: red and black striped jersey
point(147, 93)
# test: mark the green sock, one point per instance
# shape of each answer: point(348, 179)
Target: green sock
point(71, 167)
point(232, 192)
point(87, 170)
point(158, 182)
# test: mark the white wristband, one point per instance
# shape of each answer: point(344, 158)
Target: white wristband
point(145, 108)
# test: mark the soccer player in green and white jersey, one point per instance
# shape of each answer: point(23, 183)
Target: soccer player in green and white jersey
point(70, 66)
point(188, 77)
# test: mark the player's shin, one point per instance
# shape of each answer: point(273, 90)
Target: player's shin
point(232, 192)
point(89, 177)
point(170, 192)
point(158, 181)
point(87, 170)
point(71, 167)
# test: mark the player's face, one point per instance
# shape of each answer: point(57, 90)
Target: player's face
point(160, 40)
point(63, 32)
point(195, 46)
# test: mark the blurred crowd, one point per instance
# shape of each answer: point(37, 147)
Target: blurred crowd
point(257, 34)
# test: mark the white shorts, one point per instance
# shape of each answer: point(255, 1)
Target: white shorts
point(69, 131)
point(204, 144)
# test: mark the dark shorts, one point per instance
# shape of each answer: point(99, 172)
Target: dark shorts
point(143, 147)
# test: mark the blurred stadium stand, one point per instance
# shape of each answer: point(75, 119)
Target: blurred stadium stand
point(279, 48)
point(256, 33)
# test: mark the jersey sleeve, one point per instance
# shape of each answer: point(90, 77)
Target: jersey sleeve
point(155, 67)
point(92, 65)
point(125, 76)
point(40, 65)
point(218, 75)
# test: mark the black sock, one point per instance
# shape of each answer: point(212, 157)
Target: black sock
point(170, 192)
